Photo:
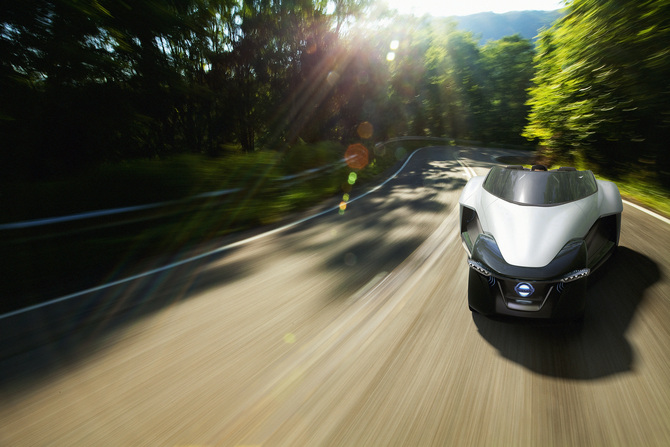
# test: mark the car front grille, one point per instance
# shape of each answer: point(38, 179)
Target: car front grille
point(515, 300)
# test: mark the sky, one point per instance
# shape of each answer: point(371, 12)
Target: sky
point(465, 7)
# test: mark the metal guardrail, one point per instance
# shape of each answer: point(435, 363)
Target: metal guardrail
point(46, 247)
point(288, 179)
point(108, 212)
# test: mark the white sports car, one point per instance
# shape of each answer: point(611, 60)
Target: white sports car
point(533, 236)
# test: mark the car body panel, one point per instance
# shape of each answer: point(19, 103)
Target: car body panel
point(531, 236)
point(609, 198)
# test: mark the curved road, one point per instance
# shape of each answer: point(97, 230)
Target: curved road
point(347, 330)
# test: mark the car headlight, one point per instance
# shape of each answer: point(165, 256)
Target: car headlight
point(476, 266)
point(575, 275)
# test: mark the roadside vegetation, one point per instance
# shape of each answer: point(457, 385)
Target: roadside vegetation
point(198, 200)
point(600, 98)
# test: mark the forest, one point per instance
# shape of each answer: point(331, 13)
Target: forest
point(85, 82)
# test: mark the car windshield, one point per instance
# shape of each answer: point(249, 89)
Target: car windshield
point(539, 187)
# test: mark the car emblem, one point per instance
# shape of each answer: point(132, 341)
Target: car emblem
point(523, 289)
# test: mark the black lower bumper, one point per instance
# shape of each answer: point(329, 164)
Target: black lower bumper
point(490, 295)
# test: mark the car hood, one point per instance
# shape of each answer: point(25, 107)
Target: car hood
point(532, 236)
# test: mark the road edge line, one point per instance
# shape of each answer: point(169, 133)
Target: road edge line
point(645, 210)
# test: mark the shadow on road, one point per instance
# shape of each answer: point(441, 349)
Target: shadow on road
point(373, 236)
point(596, 350)
point(43, 340)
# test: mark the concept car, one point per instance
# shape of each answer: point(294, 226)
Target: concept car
point(533, 236)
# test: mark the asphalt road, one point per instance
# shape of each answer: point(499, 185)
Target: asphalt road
point(347, 330)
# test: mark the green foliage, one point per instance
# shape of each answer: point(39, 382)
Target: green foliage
point(443, 83)
point(601, 85)
point(302, 156)
point(84, 83)
point(509, 64)
point(182, 76)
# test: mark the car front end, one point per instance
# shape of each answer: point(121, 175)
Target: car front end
point(533, 238)
point(556, 291)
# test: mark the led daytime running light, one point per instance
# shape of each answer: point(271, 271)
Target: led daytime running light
point(476, 266)
point(574, 276)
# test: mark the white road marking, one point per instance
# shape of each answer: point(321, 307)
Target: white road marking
point(469, 172)
point(651, 213)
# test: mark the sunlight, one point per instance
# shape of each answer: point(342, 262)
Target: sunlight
point(446, 8)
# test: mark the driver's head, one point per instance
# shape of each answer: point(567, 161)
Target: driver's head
point(538, 168)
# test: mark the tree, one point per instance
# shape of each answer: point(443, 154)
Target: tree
point(455, 100)
point(89, 81)
point(601, 84)
point(508, 63)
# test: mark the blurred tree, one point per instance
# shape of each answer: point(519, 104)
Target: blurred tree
point(466, 80)
point(409, 76)
point(343, 10)
point(455, 101)
point(601, 84)
point(508, 64)
point(54, 60)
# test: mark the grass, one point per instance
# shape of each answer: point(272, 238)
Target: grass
point(643, 191)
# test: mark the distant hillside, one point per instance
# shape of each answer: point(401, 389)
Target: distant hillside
point(491, 26)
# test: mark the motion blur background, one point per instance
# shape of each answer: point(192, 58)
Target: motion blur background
point(85, 83)
point(110, 104)
point(153, 151)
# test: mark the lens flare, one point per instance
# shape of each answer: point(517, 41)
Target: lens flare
point(365, 130)
point(352, 178)
point(356, 156)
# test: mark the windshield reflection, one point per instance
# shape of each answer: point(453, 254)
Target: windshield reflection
point(539, 187)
